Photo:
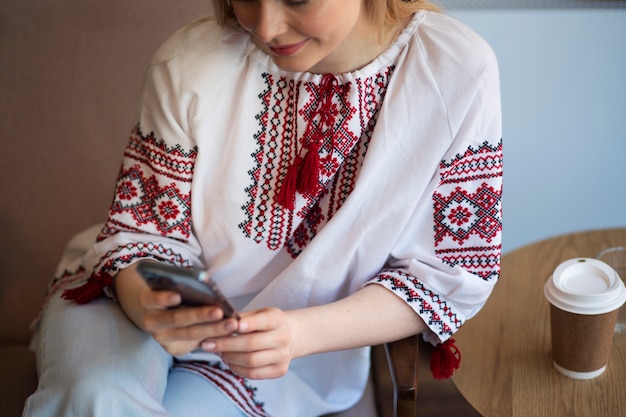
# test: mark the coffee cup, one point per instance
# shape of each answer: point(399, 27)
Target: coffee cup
point(585, 295)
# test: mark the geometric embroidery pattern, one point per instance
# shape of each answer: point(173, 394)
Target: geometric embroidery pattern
point(236, 388)
point(468, 211)
point(435, 311)
point(124, 255)
point(110, 264)
point(288, 110)
point(154, 188)
point(153, 192)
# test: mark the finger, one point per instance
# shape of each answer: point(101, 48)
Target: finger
point(187, 316)
point(274, 370)
point(194, 333)
point(159, 299)
point(261, 320)
point(278, 339)
point(157, 319)
point(257, 359)
point(179, 341)
point(258, 330)
point(198, 332)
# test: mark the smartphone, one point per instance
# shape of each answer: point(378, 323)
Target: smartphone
point(194, 285)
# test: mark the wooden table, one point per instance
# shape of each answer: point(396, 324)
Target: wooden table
point(506, 368)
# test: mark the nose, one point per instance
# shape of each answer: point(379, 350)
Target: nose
point(270, 21)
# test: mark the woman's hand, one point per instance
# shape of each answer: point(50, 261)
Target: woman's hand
point(268, 339)
point(262, 347)
point(262, 344)
point(179, 330)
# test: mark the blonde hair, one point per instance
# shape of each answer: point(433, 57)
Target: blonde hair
point(381, 12)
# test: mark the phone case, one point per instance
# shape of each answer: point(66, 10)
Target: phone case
point(194, 285)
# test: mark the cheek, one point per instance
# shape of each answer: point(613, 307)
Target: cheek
point(245, 19)
point(329, 25)
point(322, 29)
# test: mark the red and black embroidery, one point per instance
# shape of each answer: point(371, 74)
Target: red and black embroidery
point(430, 306)
point(153, 195)
point(117, 259)
point(468, 211)
point(153, 190)
point(285, 105)
point(236, 388)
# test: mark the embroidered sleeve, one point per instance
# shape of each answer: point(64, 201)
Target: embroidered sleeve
point(447, 260)
point(151, 211)
point(450, 284)
point(150, 216)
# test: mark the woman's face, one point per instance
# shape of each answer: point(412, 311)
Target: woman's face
point(320, 36)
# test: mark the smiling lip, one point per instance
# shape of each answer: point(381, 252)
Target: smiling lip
point(287, 50)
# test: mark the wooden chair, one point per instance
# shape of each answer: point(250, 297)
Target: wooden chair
point(395, 373)
point(402, 357)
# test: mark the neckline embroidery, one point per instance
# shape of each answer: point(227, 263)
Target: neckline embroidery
point(303, 175)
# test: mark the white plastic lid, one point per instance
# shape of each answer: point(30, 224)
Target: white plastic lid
point(585, 286)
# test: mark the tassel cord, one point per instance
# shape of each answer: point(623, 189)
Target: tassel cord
point(303, 175)
point(445, 360)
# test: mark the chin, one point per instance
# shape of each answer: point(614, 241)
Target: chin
point(293, 65)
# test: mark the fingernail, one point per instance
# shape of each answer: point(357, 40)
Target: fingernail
point(208, 346)
point(231, 326)
point(243, 326)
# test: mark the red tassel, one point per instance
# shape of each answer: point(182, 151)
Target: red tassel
point(308, 180)
point(445, 359)
point(286, 197)
point(87, 292)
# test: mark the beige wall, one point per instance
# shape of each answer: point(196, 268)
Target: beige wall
point(70, 74)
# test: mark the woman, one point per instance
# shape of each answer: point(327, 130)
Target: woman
point(336, 167)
